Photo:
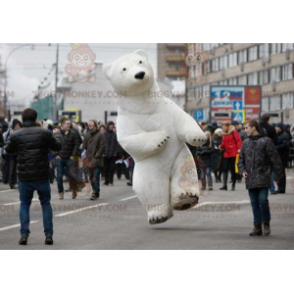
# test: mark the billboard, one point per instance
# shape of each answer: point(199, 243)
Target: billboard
point(227, 101)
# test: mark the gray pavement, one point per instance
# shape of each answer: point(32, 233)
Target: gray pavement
point(117, 220)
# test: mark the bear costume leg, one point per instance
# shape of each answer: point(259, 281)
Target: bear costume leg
point(152, 186)
point(184, 181)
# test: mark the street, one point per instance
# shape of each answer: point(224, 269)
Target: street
point(222, 220)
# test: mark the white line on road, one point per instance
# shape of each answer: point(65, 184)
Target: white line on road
point(224, 202)
point(15, 226)
point(18, 202)
point(81, 209)
point(8, 191)
point(128, 198)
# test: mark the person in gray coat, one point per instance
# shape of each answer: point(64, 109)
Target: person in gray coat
point(258, 157)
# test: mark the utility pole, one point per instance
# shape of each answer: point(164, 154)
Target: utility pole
point(56, 81)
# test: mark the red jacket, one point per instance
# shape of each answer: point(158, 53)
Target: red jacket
point(231, 143)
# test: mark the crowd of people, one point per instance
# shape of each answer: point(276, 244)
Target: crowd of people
point(220, 154)
point(80, 153)
point(90, 151)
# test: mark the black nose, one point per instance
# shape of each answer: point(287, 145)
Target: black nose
point(140, 75)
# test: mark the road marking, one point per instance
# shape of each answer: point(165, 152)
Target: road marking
point(81, 209)
point(289, 178)
point(8, 190)
point(15, 226)
point(224, 202)
point(128, 198)
point(18, 202)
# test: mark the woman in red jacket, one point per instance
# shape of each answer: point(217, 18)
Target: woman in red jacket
point(231, 145)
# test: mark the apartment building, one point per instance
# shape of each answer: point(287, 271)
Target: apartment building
point(269, 65)
point(171, 61)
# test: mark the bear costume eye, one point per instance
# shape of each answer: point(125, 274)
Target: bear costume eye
point(140, 62)
point(77, 57)
point(124, 69)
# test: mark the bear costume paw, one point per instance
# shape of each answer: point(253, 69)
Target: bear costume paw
point(158, 214)
point(187, 201)
point(161, 144)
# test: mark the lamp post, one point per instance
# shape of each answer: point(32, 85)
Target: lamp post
point(5, 77)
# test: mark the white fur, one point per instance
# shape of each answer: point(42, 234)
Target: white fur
point(153, 130)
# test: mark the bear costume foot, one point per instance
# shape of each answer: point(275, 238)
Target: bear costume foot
point(187, 201)
point(158, 214)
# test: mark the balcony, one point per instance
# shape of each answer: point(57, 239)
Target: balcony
point(174, 46)
point(176, 73)
point(175, 58)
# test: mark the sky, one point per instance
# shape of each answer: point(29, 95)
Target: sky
point(31, 64)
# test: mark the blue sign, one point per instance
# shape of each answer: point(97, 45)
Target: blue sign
point(237, 105)
point(199, 114)
point(239, 116)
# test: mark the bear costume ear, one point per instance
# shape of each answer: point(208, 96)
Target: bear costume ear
point(106, 70)
point(142, 53)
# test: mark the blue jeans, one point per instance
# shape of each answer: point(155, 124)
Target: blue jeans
point(26, 190)
point(95, 179)
point(272, 188)
point(260, 205)
point(206, 172)
point(61, 164)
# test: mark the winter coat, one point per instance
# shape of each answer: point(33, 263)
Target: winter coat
point(111, 142)
point(259, 157)
point(283, 147)
point(32, 144)
point(217, 153)
point(70, 144)
point(94, 143)
point(242, 134)
point(205, 153)
point(270, 131)
point(231, 143)
point(4, 125)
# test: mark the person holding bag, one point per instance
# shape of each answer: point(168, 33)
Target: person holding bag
point(231, 145)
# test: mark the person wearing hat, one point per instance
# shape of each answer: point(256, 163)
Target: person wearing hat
point(94, 144)
point(239, 129)
point(217, 157)
point(283, 147)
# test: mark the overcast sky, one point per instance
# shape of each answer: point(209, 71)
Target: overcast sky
point(29, 65)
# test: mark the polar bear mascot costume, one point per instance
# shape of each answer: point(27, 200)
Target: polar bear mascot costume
point(154, 130)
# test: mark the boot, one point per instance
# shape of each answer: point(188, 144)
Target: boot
point(266, 228)
point(257, 230)
point(225, 179)
point(61, 196)
point(23, 240)
point(74, 190)
point(49, 240)
point(94, 196)
point(233, 186)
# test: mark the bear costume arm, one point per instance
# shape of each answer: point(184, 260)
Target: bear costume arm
point(144, 144)
point(188, 130)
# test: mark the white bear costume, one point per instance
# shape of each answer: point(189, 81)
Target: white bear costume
point(153, 130)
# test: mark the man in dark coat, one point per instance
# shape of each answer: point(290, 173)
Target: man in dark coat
point(66, 156)
point(258, 157)
point(32, 144)
point(270, 130)
point(110, 153)
point(4, 124)
point(283, 148)
point(94, 144)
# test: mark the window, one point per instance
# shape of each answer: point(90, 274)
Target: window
point(287, 72)
point(265, 77)
point(265, 104)
point(253, 53)
point(215, 64)
point(242, 56)
point(223, 62)
point(264, 50)
point(233, 59)
point(287, 101)
point(275, 103)
point(253, 79)
point(242, 80)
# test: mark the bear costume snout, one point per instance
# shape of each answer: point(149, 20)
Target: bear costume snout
point(140, 75)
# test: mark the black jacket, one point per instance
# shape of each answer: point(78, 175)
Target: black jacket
point(111, 142)
point(32, 144)
point(270, 131)
point(283, 147)
point(4, 125)
point(259, 157)
point(70, 144)
point(205, 153)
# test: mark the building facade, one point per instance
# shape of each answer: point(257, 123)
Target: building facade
point(171, 61)
point(269, 65)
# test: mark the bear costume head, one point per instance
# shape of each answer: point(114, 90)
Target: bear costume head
point(131, 75)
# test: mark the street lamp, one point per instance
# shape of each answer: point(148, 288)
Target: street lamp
point(5, 77)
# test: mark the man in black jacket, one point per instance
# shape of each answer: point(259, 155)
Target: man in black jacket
point(258, 157)
point(66, 156)
point(110, 153)
point(283, 148)
point(32, 144)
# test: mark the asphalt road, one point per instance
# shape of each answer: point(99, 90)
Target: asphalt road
point(222, 220)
